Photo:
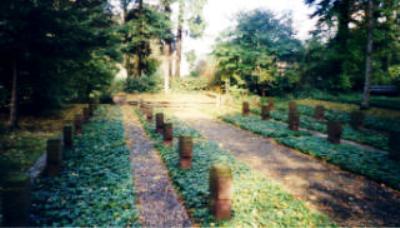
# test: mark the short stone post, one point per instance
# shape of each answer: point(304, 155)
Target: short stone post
point(86, 114)
point(149, 114)
point(357, 119)
point(68, 136)
point(265, 112)
point(221, 191)
point(54, 156)
point(335, 130)
point(292, 107)
point(319, 112)
point(293, 117)
point(394, 145)
point(245, 108)
point(160, 122)
point(185, 152)
point(78, 123)
point(271, 103)
point(168, 133)
point(294, 121)
point(92, 108)
point(16, 200)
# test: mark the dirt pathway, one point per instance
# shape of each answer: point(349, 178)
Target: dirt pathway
point(158, 202)
point(349, 199)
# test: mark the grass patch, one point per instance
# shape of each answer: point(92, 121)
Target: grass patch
point(95, 187)
point(256, 202)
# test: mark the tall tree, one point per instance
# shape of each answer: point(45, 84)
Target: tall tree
point(179, 37)
point(51, 44)
point(368, 58)
point(193, 12)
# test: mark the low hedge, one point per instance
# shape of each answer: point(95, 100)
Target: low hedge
point(257, 201)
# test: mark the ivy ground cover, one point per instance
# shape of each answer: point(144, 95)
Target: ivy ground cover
point(307, 121)
point(96, 186)
point(375, 165)
point(256, 202)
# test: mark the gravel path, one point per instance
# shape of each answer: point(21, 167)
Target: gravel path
point(349, 199)
point(158, 203)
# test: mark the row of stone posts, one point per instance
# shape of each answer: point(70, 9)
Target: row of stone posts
point(334, 128)
point(221, 184)
point(16, 195)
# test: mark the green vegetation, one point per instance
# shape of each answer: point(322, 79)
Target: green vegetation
point(375, 101)
point(375, 165)
point(23, 147)
point(308, 122)
point(95, 187)
point(256, 202)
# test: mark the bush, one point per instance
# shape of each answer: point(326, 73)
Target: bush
point(142, 84)
point(189, 84)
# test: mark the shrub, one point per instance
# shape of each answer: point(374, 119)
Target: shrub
point(142, 84)
point(189, 84)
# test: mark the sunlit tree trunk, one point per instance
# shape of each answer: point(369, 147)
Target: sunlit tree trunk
point(13, 120)
point(368, 59)
point(179, 38)
point(166, 68)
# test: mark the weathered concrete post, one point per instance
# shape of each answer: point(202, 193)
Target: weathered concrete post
point(245, 108)
point(92, 108)
point(271, 103)
point(86, 114)
point(221, 191)
point(319, 112)
point(78, 123)
point(16, 200)
point(394, 145)
point(68, 136)
point(149, 114)
point(334, 129)
point(54, 156)
point(357, 119)
point(293, 117)
point(185, 151)
point(265, 112)
point(160, 122)
point(168, 133)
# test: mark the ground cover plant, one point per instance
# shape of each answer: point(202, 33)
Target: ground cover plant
point(375, 165)
point(95, 187)
point(380, 120)
point(256, 202)
point(23, 147)
point(375, 101)
point(307, 121)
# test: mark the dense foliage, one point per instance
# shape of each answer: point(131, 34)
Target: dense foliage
point(339, 62)
point(56, 50)
point(269, 204)
point(255, 53)
point(95, 187)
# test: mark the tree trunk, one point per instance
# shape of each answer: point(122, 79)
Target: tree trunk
point(142, 46)
point(368, 59)
point(166, 68)
point(179, 38)
point(13, 121)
